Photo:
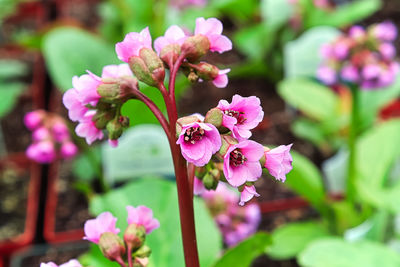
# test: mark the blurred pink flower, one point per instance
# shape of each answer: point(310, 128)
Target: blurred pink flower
point(212, 29)
point(198, 186)
point(132, 44)
point(142, 215)
point(68, 150)
point(33, 119)
point(116, 71)
point(385, 31)
point(326, 74)
point(42, 152)
point(278, 161)
point(94, 228)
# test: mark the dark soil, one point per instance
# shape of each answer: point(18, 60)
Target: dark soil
point(72, 206)
point(56, 254)
point(14, 183)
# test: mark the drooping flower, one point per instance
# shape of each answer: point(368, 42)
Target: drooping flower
point(87, 128)
point(278, 161)
point(103, 223)
point(143, 216)
point(221, 81)
point(212, 29)
point(132, 44)
point(42, 152)
point(173, 35)
point(199, 141)
point(241, 162)
point(248, 193)
point(86, 85)
point(242, 115)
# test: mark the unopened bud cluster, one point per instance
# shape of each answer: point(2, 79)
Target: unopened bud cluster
point(95, 102)
point(51, 137)
point(103, 231)
point(219, 146)
point(365, 57)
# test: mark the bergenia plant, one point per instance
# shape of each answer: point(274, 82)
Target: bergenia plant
point(215, 147)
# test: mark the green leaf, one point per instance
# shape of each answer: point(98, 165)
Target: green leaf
point(165, 242)
point(84, 166)
point(252, 42)
point(290, 239)
point(9, 93)
point(301, 56)
point(376, 151)
point(335, 252)
point(309, 130)
point(315, 100)
point(244, 253)
point(306, 180)
point(10, 69)
point(71, 51)
point(343, 15)
point(275, 13)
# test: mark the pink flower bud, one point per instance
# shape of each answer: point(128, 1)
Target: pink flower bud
point(33, 119)
point(247, 194)
point(350, 73)
point(113, 143)
point(132, 44)
point(134, 236)
point(68, 150)
point(112, 246)
point(278, 161)
point(104, 223)
point(143, 216)
point(42, 152)
point(326, 74)
point(60, 131)
point(387, 50)
point(241, 115)
point(385, 31)
point(357, 32)
point(199, 141)
point(212, 29)
point(41, 134)
point(241, 162)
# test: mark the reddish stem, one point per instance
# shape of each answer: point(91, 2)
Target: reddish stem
point(129, 254)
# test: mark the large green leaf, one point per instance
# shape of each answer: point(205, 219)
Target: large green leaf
point(306, 181)
point(376, 152)
point(9, 93)
point(275, 13)
point(252, 41)
point(165, 242)
point(290, 239)
point(244, 253)
point(10, 69)
point(315, 100)
point(71, 51)
point(335, 252)
point(343, 15)
point(302, 57)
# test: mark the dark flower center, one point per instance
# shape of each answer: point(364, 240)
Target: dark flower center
point(237, 158)
point(193, 134)
point(238, 115)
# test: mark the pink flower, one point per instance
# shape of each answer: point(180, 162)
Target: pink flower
point(326, 74)
point(199, 141)
point(142, 215)
point(173, 35)
point(241, 162)
point(71, 263)
point(387, 50)
point(113, 143)
point(132, 44)
point(242, 115)
point(220, 195)
point(42, 152)
point(349, 73)
point(212, 29)
point(221, 80)
point(198, 186)
point(68, 150)
point(341, 49)
point(40, 134)
point(86, 85)
point(76, 110)
point(33, 119)
point(385, 31)
point(371, 71)
point(357, 32)
point(278, 161)
point(87, 129)
point(116, 71)
point(60, 131)
point(248, 193)
point(94, 228)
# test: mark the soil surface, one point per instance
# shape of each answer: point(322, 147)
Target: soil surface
point(72, 206)
point(14, 183)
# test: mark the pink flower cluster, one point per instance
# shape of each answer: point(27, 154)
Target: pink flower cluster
point(71, 263)
point(236, 223)
point(92, 101)
point(225, 132)
point(207, 37)
point(365, 57)
point(50, 137)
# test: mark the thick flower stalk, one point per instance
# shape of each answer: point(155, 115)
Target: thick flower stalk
point(216, 147)
point(362, 57)
point(51, 137)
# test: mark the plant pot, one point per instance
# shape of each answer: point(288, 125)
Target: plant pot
point(19, 212)
point(66, 208)
point(34, 255)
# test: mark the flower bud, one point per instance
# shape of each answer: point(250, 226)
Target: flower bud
point(215, 117)
point(134, 236)
point(102, 117)
point(143, 252)
point(207, 71)
point(115, 129)
point(200, 172)
point(195, 47)
point(183, 121)
point(263, 158)
point(170, 53)
point(141, 262)
point(148, 67)
point(211, 179)
point(119, 90)
point(112, 246)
